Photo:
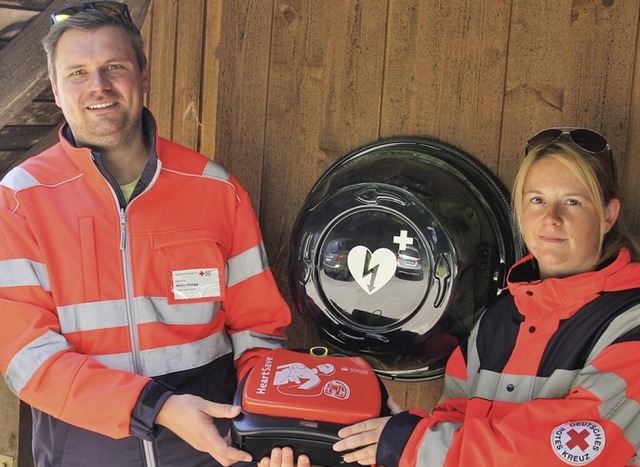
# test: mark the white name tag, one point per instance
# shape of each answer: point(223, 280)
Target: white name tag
point(195, 283)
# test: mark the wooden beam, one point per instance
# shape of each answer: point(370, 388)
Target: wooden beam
point(24, 71)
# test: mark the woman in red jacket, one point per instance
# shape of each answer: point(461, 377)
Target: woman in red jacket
point(550, 372)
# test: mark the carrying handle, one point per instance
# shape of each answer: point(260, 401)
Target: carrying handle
point(319, 351)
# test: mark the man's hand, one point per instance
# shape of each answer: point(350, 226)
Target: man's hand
point(362, 438)
point(284, 458)
point(190, 418)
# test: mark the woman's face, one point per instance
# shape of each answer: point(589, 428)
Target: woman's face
point(560, 224)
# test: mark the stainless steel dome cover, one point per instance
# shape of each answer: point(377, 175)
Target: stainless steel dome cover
point(397, 250)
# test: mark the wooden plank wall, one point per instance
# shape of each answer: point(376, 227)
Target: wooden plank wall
point(284, 88)
point(278, 90)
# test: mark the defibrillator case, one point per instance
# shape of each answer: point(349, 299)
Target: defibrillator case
point(301, 400)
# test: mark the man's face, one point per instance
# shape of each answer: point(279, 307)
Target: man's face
point(99, 86)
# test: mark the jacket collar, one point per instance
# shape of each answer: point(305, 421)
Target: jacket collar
point(568, 294)
point(90, 162)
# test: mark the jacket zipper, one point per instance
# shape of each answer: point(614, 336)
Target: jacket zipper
point(149, 451)
point(148, 447)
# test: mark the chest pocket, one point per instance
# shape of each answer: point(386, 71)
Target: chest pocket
point(194, 262)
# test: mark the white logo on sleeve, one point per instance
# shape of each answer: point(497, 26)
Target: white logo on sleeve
point(578, 443)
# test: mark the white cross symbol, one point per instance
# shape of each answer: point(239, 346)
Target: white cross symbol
point(403, 240)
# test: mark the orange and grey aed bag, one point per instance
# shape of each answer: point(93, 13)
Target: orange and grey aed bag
point(301, 400)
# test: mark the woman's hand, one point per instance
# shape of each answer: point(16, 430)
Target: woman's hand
point(362, 439)
point(283, 457)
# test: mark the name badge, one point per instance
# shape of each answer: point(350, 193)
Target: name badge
point(192, 284)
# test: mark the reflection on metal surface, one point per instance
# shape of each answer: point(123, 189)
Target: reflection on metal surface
point(397, 250)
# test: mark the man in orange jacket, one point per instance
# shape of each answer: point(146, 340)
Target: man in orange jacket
point(134, 286)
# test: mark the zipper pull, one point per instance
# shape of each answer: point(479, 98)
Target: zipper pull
point(123, 230)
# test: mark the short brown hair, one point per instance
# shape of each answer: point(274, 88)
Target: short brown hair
point(90, 20)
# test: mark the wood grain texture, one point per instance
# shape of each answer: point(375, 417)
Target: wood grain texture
point(23, 72)
point(243, 85)
point(301, 83)
point(570, 63)
point(445, 72)
point(188, 72)
point(210, 78)
point(162, 64)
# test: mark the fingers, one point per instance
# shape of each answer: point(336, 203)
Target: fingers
point(216, 410)
point(365, 456)
point(356, 441)
point(228, 455)
point(284, 457)
point(367, 425)
point(303, 461)
point(394, 406)
point(190, 418)
point(361, 441)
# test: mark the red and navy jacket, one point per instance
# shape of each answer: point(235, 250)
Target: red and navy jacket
point(548, 376)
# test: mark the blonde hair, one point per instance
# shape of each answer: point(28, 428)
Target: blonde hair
point(598, 177)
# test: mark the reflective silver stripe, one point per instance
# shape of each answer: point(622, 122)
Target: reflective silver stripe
point(18, 179)
point(611, 388)
point(28, 359)
point(109, 314)
point(172, 358)
point(473, 359)
point(618, 327)
point(216, 171)
point(627, 417)
point(117, 361)
point(603, 385)
point(92, 316)
point(615, 406)
point(154, 309)
point(435, 445)
point(556, 386)
point(454, 388)
point(247, 264)
point(520, 389)
point(23, 272)
point(246, 340)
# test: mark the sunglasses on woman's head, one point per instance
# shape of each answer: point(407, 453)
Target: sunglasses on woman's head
point(585, 139)
point(114, 9)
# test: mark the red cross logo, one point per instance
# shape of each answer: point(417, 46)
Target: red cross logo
point(201, 273)
point(578, 439)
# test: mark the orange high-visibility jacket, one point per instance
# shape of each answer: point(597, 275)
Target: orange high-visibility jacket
point(99, 297)
point(549, 376)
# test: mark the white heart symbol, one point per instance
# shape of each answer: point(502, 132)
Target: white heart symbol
point(371, 270)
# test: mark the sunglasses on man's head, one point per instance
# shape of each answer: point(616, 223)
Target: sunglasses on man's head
point(115, 9)
point(585, 139)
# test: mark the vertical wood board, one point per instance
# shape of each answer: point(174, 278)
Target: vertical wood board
point(162, 57)
point(244, 76)
point(570, 63)
point(326, 71)
point(445, 73)
point(210, 79)
point(188, 71)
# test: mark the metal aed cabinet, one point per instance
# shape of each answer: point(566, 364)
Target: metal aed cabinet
point(397, 250)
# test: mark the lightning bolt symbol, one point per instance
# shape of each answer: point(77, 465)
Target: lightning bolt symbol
point(373, 271)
